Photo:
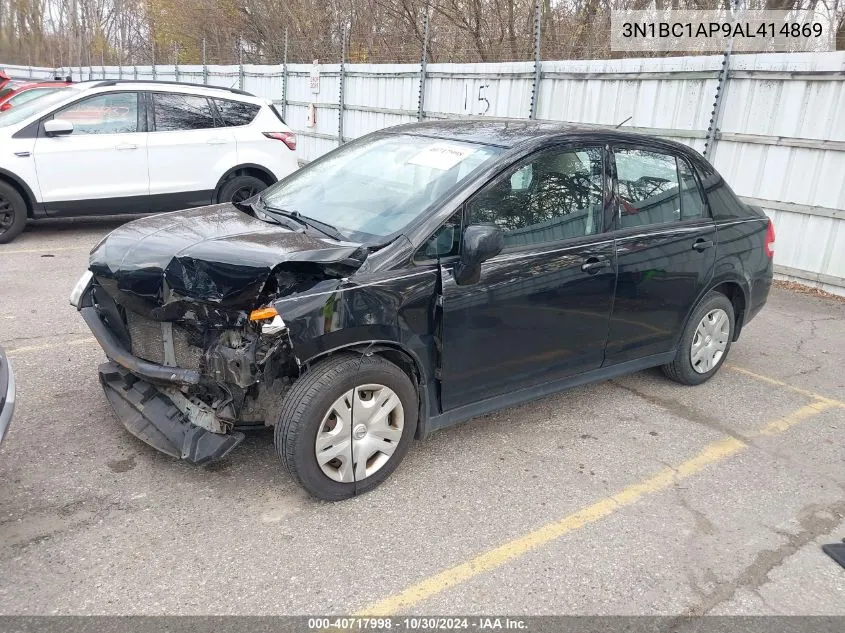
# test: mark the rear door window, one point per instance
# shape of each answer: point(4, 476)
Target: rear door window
point(656, 188)
point(649, 191)
point(181, 112)
point(235, 113)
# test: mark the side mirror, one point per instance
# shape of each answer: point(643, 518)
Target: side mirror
point(57, 127)
point(480, 243)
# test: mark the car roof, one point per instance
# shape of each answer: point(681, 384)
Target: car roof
point(174, 86)
point(512, 133)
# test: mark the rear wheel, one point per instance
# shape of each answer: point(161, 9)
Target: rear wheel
point(705, 343)
point(240, 188)
point(12, 213)
point(346, 424)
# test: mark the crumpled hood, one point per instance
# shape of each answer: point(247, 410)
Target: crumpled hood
point(212, 255)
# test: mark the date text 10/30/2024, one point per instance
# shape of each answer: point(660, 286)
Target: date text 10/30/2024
point(417, 624)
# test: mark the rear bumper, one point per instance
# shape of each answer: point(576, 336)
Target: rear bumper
point(760, 288)
point(153, 418)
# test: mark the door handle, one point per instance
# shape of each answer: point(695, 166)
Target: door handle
point(595, 264)
point(216, 141)
point(702, 245)
point(123, 146)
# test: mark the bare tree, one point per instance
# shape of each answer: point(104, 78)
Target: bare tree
point(81, 32)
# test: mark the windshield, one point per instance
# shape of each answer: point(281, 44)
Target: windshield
point(28, 95)
point(26, 110)
point(376, 187)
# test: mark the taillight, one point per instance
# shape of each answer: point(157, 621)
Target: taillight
point(769, 246)
point(288, 138)
point(5, 106)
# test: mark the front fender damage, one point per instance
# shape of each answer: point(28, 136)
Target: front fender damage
point(172, 310)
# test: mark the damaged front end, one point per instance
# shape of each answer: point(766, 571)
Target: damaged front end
point(176, 300)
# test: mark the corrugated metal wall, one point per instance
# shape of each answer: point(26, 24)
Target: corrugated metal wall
point(780, 141)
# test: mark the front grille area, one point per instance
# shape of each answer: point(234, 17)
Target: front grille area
point(147, 338)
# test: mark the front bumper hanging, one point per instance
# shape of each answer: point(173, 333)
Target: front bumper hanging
point(153, 418)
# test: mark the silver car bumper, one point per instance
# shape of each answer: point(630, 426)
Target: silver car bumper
point(7, 395)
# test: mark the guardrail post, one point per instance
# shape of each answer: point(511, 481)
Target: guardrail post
point(240, 63)
point(342, 85)
point(285, 77)
point(721, 85)
point(535, 84)
point(423, 64)
point(176, 61)
point(204, 64)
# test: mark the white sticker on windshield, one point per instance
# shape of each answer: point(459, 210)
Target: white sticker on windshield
point(441, 156)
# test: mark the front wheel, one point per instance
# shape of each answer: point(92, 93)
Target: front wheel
point(240, 188)
point(346, 424)
point(12, 213)
point(705, 343)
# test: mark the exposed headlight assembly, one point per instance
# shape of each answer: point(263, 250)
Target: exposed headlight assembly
point(271, 324)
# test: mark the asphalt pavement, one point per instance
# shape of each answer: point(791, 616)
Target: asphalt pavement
point(631, 496)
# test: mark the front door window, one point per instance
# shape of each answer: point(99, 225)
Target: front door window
point(556, 195)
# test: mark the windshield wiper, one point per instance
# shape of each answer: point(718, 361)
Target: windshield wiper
point(292, 223)
point(326, 229)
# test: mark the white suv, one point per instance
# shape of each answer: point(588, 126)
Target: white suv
point(112, 146)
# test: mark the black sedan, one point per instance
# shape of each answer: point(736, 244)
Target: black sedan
point(415, 278)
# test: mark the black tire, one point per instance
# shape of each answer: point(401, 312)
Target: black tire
point(305, 405)
point(681, 369)
point(239, 188)
point(12, 213)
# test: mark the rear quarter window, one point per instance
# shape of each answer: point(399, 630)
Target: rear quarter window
point(234, 113)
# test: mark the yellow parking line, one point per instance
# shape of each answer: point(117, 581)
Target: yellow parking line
point(38, 348)
point(785, 385)
point(780, 425)
point(492, 559)
point(713, 453)
point(44, 249)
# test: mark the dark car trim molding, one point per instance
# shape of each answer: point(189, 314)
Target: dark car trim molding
point(455, 416)
point(158, 203)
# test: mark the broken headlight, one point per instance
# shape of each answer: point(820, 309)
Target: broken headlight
point(271, 322)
